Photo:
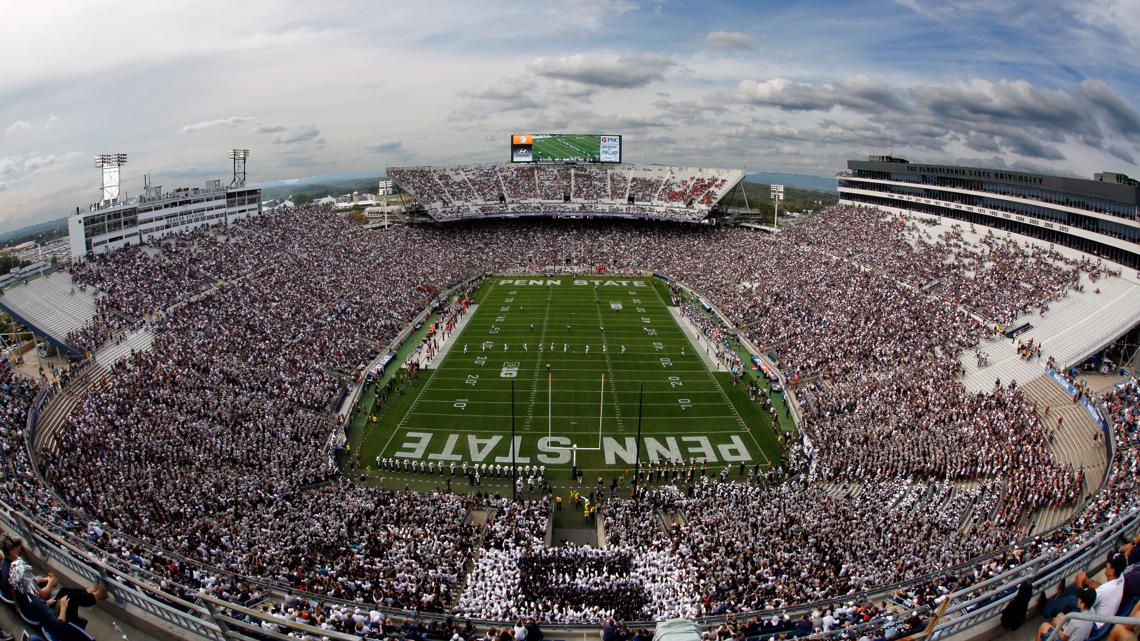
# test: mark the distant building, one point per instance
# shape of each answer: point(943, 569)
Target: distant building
point(1094, 216)
point(111, 224)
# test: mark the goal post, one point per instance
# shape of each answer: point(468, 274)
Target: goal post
point(574, 448)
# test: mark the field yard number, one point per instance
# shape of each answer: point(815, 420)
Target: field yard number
point(505, 308)
point(649, 331)
point(637, 301)
point(460, 403)
point(510, 370)
point(508, 300)
point(684, 403)
point(646, 319)
point(513, 291)
point(499, 319)
point(675, 381)
point(658, 346)
point(640, 310)
point(472, 379)
point(480, 360)
point(666, 362)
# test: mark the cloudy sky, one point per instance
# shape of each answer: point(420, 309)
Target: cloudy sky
point(347, 85)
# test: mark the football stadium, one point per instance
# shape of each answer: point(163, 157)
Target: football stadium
point(568, 396)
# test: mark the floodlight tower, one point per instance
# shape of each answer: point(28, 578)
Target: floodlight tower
point(110, 164)
point(238, 156)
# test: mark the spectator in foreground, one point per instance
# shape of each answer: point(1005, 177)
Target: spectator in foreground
point(1108, 594)
point(1073, 630)
point(41, 594)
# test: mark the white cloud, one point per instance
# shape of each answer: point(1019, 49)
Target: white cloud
point(618, 71)
point(1120, 115)
point(459, 83)
point(730, 40)
point(50, 122)
point(1118, 17)
point(387, 147)
point(18, 168)
point(19, 125)
point(232, 121)
point(589, 15)
point(289, 134)
point(507, 94)
point(859, 93)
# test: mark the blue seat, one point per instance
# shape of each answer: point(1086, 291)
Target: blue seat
point(6, 595)
point(1125, 608)
point(66, 632)
point(26, 612)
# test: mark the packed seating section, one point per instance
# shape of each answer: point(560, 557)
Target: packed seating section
point(210, 445)
point(483, 191)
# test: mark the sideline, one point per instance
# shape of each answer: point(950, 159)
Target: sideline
point(449, 342)
point(698, 341)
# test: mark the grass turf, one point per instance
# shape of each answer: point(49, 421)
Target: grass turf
point(461, 411)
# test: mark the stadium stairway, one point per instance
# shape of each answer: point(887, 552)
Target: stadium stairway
point(1072, 444)
point(1073, 329)
point(59, 408)
point(136, 341)
point(49, 304)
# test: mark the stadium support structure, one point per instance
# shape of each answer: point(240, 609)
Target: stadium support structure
point(111, 164)
point(239, 156)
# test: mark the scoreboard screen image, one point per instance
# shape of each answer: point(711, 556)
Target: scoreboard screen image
point(565, 148)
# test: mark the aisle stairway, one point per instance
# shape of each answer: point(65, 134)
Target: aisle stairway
point(1072, 443)
point(1073, 329)
point(49, 304)
point(57, 409)
point(135, 341)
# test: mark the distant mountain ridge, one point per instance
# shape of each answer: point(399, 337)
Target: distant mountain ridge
point(320, 179)
point(801, 181)
point(51, 228)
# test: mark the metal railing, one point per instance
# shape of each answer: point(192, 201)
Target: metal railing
point(1089, 616)
point(971, 609)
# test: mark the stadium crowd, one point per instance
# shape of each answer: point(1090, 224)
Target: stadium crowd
point(469, 191)
point(262, 326)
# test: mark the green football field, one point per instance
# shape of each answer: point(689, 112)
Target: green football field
point(578, 351)
point(566, 146)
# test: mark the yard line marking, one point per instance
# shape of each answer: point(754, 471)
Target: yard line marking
point(426, 385)
point(462, 430)
point(465, 413)
point(537, 363)
point(610, 369)
point(712, 378)
point(484, 402)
